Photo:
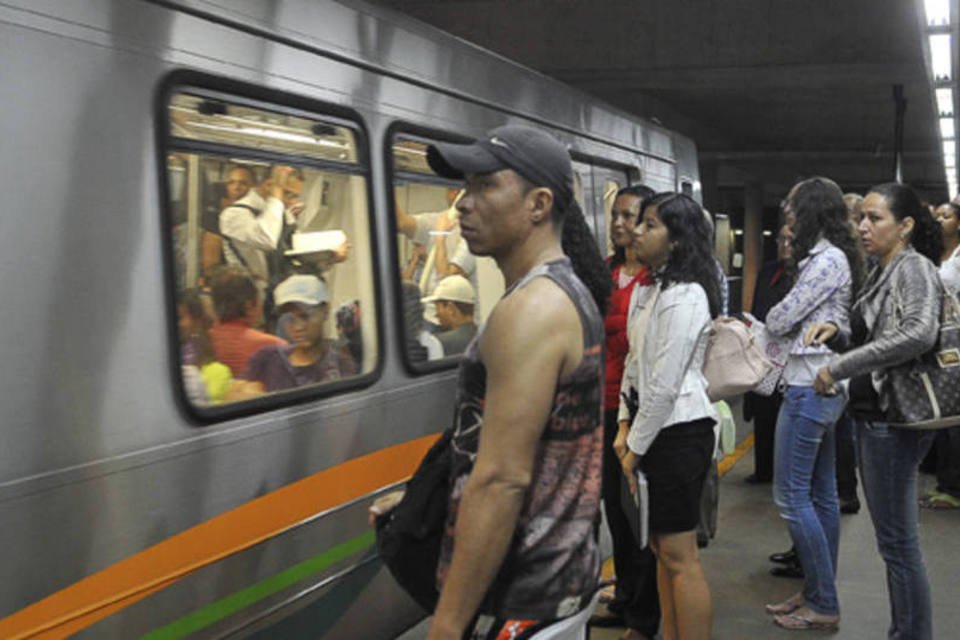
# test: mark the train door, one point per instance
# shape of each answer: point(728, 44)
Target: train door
point(596, 187)
point(583, 189)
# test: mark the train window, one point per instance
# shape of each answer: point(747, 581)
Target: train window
point(271, 251)
point(446, 292)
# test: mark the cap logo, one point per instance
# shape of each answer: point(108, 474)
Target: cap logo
point(500, 143)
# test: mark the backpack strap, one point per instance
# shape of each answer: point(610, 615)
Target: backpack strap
point(233, 247)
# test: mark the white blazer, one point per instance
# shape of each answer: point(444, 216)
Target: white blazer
point(667, 370)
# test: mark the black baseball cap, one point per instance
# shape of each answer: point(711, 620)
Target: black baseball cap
point(534, 154)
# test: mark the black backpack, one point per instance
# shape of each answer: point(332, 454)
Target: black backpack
point(409, 536)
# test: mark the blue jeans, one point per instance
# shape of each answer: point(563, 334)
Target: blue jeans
point(889, 459)
point(805, 489)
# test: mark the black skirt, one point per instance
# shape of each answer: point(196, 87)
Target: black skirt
point(676, 466)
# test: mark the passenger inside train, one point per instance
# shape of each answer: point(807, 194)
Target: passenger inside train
point(272, 199)
point(311, 357)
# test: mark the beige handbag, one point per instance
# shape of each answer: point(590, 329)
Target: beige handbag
point(733, 363)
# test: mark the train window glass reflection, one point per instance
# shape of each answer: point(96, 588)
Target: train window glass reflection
point(272, 252)
point(446, 291)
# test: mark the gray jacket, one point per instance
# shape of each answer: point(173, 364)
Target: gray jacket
point(895, 335)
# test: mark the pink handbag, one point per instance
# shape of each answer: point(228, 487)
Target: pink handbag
point(734, 362)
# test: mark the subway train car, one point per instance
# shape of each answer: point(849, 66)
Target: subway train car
point(137, 497)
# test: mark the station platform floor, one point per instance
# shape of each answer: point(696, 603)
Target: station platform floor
point(749, 529)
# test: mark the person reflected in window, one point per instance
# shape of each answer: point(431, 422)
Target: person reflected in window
point(454, 299)
point(310, 358)
point(238, 304)
point(421, 344)
point(196, 351)
point(349, 329)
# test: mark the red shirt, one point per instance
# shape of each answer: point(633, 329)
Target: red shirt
point(615, 326)
point(235, 341)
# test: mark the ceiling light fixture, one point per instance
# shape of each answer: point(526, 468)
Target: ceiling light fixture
point(945, 101)
point(938, 12)
point(941, 56)
point(947, 130)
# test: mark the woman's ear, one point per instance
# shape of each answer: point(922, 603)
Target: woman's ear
point(906, 227)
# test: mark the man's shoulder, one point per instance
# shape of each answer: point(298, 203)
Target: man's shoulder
point(253, 201)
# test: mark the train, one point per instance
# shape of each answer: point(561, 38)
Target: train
point(128, 508)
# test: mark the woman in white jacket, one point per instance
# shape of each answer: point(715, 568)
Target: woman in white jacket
point(666, 419)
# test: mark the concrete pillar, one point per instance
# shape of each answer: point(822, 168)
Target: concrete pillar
point(752, 239)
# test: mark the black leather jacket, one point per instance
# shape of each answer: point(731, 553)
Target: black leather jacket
point(900, 305)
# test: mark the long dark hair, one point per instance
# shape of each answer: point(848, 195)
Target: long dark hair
point(927, 235)
point(642, 192)
point(691, 258)
point(821, 212)
point(579, 245)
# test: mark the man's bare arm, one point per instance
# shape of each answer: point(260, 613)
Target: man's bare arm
point(529, 342)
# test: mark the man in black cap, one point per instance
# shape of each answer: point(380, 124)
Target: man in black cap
point(519, 551)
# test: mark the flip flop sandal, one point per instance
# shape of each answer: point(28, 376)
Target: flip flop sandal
point(940, 501)
point(800, 622)
point(789, 605)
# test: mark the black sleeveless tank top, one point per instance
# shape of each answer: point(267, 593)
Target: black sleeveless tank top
point(553, 563)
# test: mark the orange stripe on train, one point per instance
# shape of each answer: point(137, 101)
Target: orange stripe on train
point(118, 586)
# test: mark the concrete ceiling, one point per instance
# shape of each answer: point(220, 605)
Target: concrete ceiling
point(768, 89)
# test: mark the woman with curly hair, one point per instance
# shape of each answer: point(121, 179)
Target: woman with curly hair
point(895, 317)
point(668, 432)
point(827, 267)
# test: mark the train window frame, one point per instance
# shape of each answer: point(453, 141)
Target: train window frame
point(429, 135)
point(281, 102)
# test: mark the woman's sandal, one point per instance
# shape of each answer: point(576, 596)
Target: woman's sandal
point(789, 605)
point(940, 501)
point(806, 619)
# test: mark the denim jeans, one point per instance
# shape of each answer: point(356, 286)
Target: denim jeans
point(805, 489)
point(889, 458)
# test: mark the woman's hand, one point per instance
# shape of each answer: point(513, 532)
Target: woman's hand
point(628, 463)
point(820, 333)
point(383, 505)
point(620, 442)
point(824, 384)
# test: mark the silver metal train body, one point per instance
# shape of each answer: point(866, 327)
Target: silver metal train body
point(126, 510)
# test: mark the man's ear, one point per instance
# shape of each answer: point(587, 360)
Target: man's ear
point(541, 202)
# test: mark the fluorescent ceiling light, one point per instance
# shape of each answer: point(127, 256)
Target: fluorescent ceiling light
point(947, 129)
point(938, 12)
point(767, 233)
point(945, 101)
point(949, 148)
point(949, 162)
point(941, 57)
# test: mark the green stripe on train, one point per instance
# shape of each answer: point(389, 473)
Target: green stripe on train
point(242, 599)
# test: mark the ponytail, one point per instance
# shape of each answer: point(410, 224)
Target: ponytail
point(581, 247)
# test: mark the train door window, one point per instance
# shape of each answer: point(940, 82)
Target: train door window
point(446, 292)
point(609, 182)
point(271, 251)
point(686, 188)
